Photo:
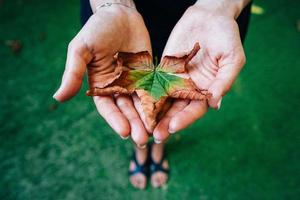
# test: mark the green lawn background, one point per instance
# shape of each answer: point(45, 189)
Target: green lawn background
point(247, 150)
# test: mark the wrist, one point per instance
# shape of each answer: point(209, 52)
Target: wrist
point(99, 4)
point(229, 8)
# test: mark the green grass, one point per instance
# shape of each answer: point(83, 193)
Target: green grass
point(247, 150)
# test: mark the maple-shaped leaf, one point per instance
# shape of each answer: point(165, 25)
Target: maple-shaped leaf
point(153, 84)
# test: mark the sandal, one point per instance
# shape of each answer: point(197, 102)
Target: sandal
point(139, 168)
point(158, 166)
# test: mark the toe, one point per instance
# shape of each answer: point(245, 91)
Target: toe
point(138, 181)
point(141, 182)
point(158, 179)
point(155, 180)
point(133, 182)
point(163, 179)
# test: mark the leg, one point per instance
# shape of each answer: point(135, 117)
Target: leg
point(159, 177)
point(138, 179)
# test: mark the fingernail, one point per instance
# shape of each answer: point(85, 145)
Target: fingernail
point(157, 141)
point(171, 131)
point(141, 146)
point(54, 95)
point(124, 138)
point(219, 104)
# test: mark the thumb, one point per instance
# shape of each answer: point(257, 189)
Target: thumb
point(224, 80)
point(78, 57)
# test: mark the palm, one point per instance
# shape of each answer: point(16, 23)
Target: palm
point(105, 35)
point(107, 32)
point(214, 67)
point(219, 41)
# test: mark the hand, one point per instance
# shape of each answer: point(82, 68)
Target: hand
point(108, 31)
point(214, 68)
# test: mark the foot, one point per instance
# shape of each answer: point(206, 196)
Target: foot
point(139, 179)
point(159, 178)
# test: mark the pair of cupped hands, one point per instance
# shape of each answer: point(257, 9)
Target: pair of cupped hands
point(118, 28)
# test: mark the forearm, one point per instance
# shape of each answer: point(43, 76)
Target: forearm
point(127, 3)
point(231, 8)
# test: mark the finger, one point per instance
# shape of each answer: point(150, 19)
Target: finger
point(187, 116)
point(77, 58)
point(161, 132)
point(138, 132)
point(139, 109)
point(112, 115)
point(224, 80)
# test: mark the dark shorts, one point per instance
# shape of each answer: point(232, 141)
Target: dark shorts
point(161, 16)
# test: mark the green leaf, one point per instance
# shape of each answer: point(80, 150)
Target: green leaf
point(152, 83)
point(156, 82)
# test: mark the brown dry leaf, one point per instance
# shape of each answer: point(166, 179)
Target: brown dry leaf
point(135, 72)
point(52, 107)
point(15, 45)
